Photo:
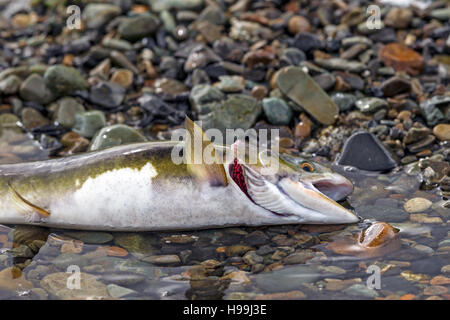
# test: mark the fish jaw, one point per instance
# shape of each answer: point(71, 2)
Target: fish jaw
point(332, 185)
point(325, 210)
point(293, 200)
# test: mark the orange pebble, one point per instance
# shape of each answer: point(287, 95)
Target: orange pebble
point(3, 238)
point(408, 296)
point(114, 251)
point(220, 249)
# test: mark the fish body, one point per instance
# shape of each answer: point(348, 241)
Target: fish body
point(138, 187)
point(133, 187)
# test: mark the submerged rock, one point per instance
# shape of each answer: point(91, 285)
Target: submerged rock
point(382, 213)
point(56, 284)
point(378, 239)
point(12, 279)
point(287, 279)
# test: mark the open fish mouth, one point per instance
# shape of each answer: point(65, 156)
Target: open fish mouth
point(309, 201)
point(336, 189)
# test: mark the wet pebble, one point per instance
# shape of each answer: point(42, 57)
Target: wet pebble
point(107, 94)
point(56, 285)
point(67, 108)
point(115, 135)
point(277, 111)
point(417, 205)
point(88, 123)
point(64, 80)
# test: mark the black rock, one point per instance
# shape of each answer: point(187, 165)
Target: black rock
point(292, 56)
point(394, 86)
point(158, 111)
point(215, 70)
point(385, 35)
point(306, 42)
point(364, 151)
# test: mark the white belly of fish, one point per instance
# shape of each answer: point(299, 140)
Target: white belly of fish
point(127, 199)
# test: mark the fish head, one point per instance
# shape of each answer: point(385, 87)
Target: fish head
point(290, 186)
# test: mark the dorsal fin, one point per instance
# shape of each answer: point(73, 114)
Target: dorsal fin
point(26, 205)
point(198, 147)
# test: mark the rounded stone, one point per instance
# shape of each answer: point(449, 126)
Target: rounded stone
point(98, 14)
point(298, 24)
point(442, 131)
point(88, 123)
point(12, 279)
point(138, 27)
point(34, 89)
point(277, 111)
point(114, 136)
point(370, 104)
point(401, 58)
point(90, 287)
point(10, 85)
point(123, 77)
point(64, 80)
point(398, 18)
point(32, 118)
point(67, 108)
point(417, 205)
point(344, 101)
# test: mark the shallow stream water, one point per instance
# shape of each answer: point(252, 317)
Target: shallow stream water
point(279, 262)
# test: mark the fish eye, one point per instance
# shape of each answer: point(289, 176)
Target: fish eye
point(306, 166)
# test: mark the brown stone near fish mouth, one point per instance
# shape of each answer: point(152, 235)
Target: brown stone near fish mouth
point(377, 234)
point(377, 240)
point(401, 58)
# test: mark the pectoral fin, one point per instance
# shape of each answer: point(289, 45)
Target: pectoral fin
point(201, 156)
point(26, 206)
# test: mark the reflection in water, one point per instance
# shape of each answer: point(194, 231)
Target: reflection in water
point(294, 261)
point(16, 146)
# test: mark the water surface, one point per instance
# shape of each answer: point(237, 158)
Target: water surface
point(294, 261)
